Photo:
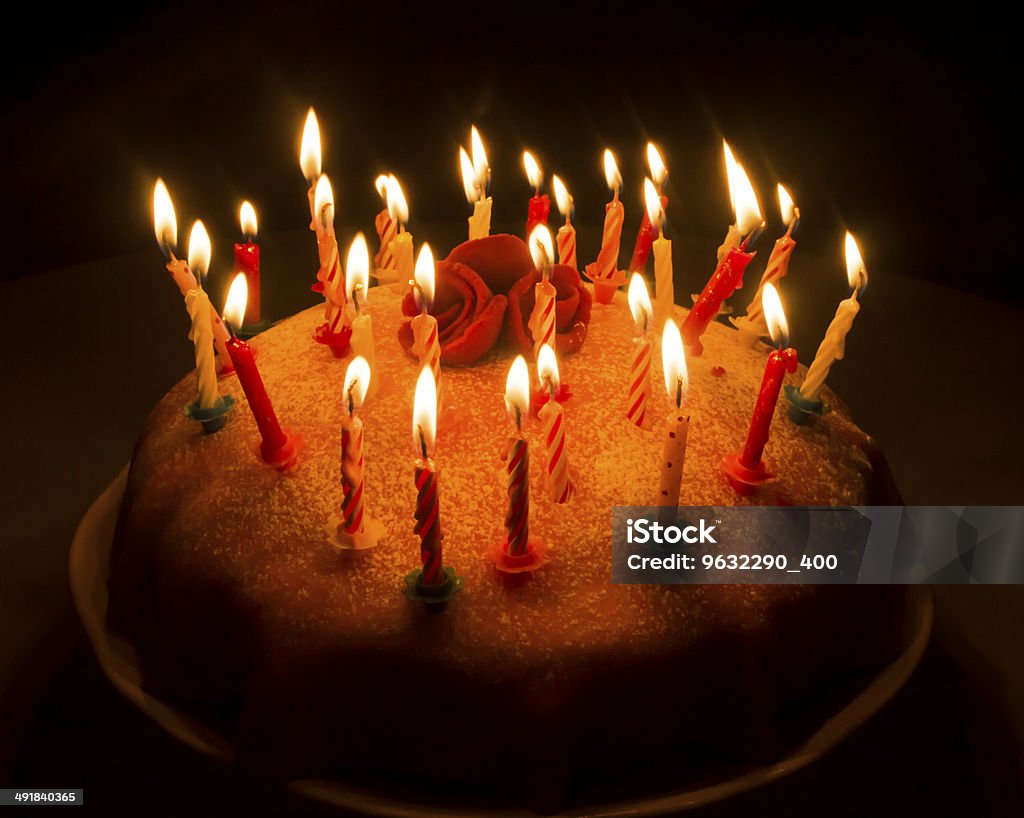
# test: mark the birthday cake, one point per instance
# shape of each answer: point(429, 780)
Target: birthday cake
point(554, 687)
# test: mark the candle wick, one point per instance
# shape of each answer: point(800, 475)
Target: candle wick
point(351, 399)
point(679, 393)
point(519, 419)
point(423, 442)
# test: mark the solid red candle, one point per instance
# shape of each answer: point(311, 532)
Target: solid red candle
point(779, 363)
point(537, 212)
point(247, 260)
point(724, 281)
point(276, 448)
point(645, 237)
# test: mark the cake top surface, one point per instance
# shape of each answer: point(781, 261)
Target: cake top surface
point(223, 515)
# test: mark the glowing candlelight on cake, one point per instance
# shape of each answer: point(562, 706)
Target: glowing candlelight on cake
point(475, 175)
point(357, 277)
point(728, 274)
point(309, 162)
point(425, 342)
point(328, 275)
point(566, 237)
point(752, 325)
point(165, 227)
point(198, 305)
point(401, 245)
point(747, 469)
point(648, 232)
point(833, 346)
point(357, 379)
point(677, 427)
point(604, 272)
point(275, 447)
point(247, 260)
point(540, 205)
point(542, 319)
point(559, 484)
point(517, 453)
point(386, 229)
point(428, 509)
point(664, 287)
point(640, 367)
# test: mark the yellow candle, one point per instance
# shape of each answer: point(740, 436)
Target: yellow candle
point(401, 245)
point(475, 172)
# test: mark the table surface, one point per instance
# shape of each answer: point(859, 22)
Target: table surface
point(89, 350)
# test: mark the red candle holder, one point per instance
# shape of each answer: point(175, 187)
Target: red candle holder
point(605, 286)
point(542, 396)
point(338, 342)
point(535, 555)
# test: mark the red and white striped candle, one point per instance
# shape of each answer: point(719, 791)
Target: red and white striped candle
point(357, 378)
point(428, 506)
point(778, 263)
point(517, 455)
point(640, 368)
point(542, 319)
point(329, 274)
point(566, 237)
point(607, 262)
point(557, 480)
point(386, 229)
point(425, 342)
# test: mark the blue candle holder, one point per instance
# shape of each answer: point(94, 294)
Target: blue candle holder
point(800, 408)
point(213, 418)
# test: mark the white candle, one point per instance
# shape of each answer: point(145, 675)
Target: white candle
point(677, 426)
point(362, 344)
point(474, 185)
point(664, 286)
point(198, 305)
point(746, 211)
point(401, 245)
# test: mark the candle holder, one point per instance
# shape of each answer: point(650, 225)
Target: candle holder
point(338, 342)
point(213, 418)
point(373, 532)
point(749, 331)
point(605, 286)
point(534, 557)
point(252, 330)
point(800, 408)
point(743, 479)
point(432, 594)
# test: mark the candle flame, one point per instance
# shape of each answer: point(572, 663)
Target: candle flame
point(165, 224)
point(357, 269)
point(562, 197)
point(247, 218)
point(652, 201)
point(746, 210)
point(357, 380)
point(547, 366)
point(309, 152)
point(786, 206)
point(424, 275)
point(611, 170)
point(517, 390)
point(323, 199)
point(673, 364)
point(656, 165)
point(480, 166)
point(540, 247)
point(424, 412)
point(398, 209)
point(856, 272)
point(199, 250)
point(533, 171)
point(639, 301)
point(774, 316)
point(234, 306)
point(381, 183)
point(468, 176)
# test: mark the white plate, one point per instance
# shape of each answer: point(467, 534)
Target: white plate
point(88, 569)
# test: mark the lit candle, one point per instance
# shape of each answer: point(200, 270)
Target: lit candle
point(386, 229)
point(476, 173)
point(165, 225)
point(357, 277)
point(647, 233)
point(678, 425)
point(664, 287)
point(357, 378)
point(604, 272)
point(247, 260)
point(640, 367)
point(517, 454)
point(540, 206)
point(559, 484)
point(747, 468)
point(276, 448)
point(833, 346)
point(752, 325)
point(401, 245)
point(311, 166)
point(566, 237)
point(428, 508)
point(542, 319)
point(329, 275)
point(425, 342)
point(198, 305)
point(736, 230)
point(728, 274)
